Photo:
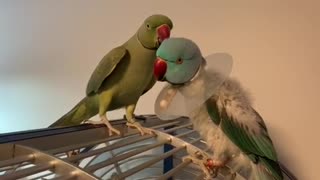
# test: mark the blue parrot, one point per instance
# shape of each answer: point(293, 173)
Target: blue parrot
point(219, 108)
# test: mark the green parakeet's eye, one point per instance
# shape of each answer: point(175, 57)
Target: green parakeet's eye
point(148, 26)
point(179, 61)
point(154, 30)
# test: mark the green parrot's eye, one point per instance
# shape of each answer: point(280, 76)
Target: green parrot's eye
point(148, 26)
point(179, 61)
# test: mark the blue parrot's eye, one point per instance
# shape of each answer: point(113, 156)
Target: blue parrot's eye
point(179, 61)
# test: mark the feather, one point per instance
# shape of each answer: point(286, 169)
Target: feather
point(236, 132)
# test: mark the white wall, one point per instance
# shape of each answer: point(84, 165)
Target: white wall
point(48, 50)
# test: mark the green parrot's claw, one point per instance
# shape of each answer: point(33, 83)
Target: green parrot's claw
point(140, 128)
point(111, 129)
point(72, 153)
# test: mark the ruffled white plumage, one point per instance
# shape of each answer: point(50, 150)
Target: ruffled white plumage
point(229, 95)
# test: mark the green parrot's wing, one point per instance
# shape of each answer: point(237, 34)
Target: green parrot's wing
point(150, 85)
point(105, 68)
point(246, 129)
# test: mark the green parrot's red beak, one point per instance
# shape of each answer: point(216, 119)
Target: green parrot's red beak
point(159, 69)
point(163, 32)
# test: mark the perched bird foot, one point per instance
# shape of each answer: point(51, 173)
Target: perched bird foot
point(214, 164)
point(200, 161)
point(140, 128)
point(105, 121)
point(72, 153)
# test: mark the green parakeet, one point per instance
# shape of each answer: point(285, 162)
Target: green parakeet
point(218, 107)
point(121, 77)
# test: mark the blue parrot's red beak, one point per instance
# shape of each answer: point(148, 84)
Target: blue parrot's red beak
point(159, 69)
point(163, 32)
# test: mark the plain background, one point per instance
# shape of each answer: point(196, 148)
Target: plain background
point(48, 49)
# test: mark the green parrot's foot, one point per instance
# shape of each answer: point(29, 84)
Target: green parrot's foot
point(105, 121)
point(72, 153)
point(140, 128)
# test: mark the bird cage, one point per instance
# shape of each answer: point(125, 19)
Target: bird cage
point(88, 152)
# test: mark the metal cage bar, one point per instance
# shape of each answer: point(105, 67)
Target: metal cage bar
point(37, 154)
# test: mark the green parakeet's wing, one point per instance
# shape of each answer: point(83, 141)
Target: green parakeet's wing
point(150, 85)
point(105, 68)
point(182, 100)
point(246, 129)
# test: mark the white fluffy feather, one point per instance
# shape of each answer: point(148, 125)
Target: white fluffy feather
point(238, 105)
point(231, 96)
point(228, 94)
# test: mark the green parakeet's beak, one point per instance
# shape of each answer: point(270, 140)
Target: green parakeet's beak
point(160, 69)
point(163, 32)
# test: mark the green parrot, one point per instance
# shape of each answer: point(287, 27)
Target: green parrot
point(223, 114)
point(122, 76)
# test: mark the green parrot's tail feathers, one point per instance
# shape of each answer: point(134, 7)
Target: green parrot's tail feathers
point(267, 170)
point(84, 110)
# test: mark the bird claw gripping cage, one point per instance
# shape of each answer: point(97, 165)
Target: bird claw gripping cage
point(87, 152)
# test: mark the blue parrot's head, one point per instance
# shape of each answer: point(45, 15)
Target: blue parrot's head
point(178, 60)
